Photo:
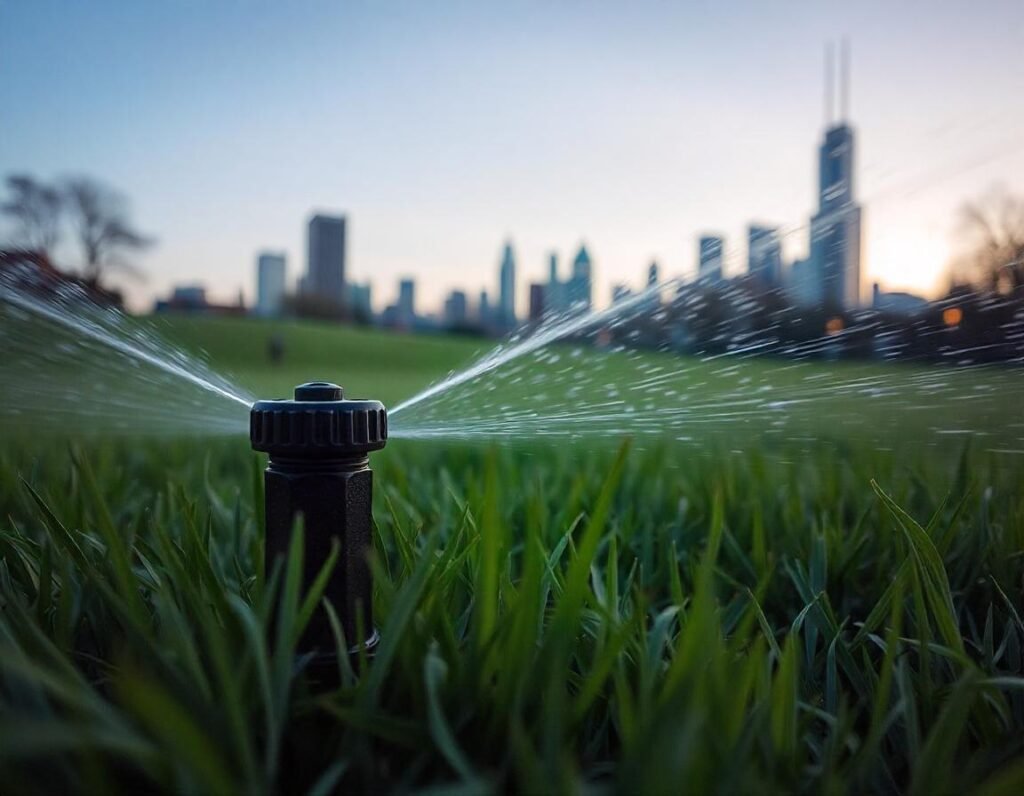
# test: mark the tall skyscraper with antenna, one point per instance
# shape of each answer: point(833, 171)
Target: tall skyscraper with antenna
point(836, 227)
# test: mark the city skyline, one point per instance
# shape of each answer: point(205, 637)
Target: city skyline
point(628, 131)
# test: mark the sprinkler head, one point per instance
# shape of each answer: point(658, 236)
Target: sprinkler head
point(318, 444)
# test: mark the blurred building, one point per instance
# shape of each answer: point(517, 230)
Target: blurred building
point(764, 255)
point(579, 289)
point(537, 296)
point(836, 227)
point(406, 303)
point(188, 296)
point(652, 275)
point(270, 283)
point(192, 299)
point(456, 309)
point(620, 293)
point(801, 283)
point(507, 291)
point(554, 298)
point(360, 299)
point(325, 274)
point(33, 272)
point(897, 302)
point(710, 250)
point(484, 310)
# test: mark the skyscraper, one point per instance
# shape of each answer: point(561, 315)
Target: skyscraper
point(537, 308)
point(270, 283)
point(484, 310)
point(406, 303)
point(764, 255)
point(507, 292)
point(455, 307)
point(554, 299)
point(579, 288)
point(835, 228)
point(652, 275)
point(326, 253)
point(710, 248)
point(360, 300)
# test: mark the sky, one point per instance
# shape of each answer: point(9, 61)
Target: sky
point(443, 129)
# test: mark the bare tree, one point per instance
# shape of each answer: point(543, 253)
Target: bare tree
point(101, 220)
point(993, 230)
point(36, 209)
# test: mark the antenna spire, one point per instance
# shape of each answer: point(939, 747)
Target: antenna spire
point(844, 80)
point(829, 82)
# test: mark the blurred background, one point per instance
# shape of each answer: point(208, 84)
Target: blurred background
point(473, 167)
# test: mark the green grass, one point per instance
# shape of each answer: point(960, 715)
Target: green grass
point(554, 618)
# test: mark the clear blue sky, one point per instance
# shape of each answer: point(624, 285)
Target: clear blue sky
point(441, 129)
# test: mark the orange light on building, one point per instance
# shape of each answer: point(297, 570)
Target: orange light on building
point(834, 326)
point(951, 316)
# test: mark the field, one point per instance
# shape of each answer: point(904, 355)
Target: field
point(824, 617)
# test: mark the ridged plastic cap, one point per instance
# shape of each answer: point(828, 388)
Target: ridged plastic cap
point(318, 423)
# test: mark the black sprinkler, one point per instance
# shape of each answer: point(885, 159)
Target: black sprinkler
point(319, 468)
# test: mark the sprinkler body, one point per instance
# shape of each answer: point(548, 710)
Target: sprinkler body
point(318, 469)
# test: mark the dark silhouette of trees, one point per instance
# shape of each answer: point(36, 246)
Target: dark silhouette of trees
point(35, 208)
point(99, 215)
point(993, 230)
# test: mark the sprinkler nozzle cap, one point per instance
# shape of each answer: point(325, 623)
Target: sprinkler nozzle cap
point(318, 424)
point(318, 391)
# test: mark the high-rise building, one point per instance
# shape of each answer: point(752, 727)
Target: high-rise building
point(620, 293)
point(836, 227)
point(326, 258)
point(554, 293)
point(710, 256)
point(360, 301)
point(652, 275)
point(406, 307)
point(455, 309)
point(537, 308)
point(578, 291)
point(270, 283)
point(484, 310)
point(507, 291)
point(764, 255)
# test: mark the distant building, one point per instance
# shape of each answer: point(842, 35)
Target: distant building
point(360, 299)
point(484, 310)
point(801, 284)
point(836, 227)
point(33, 272)
point(579, 289)
point(537, 296)
point(710, 251)
point(507, 288)
point(554, 293)
point(764, 255)
point(192, 299)
point(325, 275)
point(188, 296)
point(270, 283)
point(456, 310)
point(406, 303)
point(653, 302)
point(620, 293)
point(896, 302)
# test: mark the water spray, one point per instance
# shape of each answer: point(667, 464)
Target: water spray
point(318, 444)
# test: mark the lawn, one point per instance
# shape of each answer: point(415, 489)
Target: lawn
point(813, 616)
